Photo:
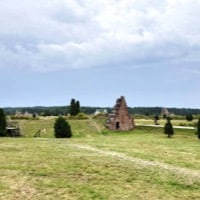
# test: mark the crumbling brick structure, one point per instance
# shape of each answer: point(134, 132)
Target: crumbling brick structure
point(119, 119)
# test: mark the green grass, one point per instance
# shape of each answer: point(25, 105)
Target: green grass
point(80, 127)
point(175, 122)
point(93, 165)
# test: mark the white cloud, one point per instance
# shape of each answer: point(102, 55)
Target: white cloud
point(60, 34)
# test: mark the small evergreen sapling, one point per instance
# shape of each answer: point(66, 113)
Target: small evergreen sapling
point(156, 118)
point(3, 123)
point(189, 117)
point(62, 129)
point(168, 129)
point(198, 128)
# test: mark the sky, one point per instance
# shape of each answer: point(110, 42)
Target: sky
point(98, 50)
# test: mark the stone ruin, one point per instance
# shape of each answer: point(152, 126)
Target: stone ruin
point(165, 112)
point(119, 119)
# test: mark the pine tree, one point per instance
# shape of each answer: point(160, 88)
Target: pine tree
point(189, 117)
point(156, 118)
point(77, 107)
point(74, 107)
point(3, 123)
point(62, 129)
point(168, 129)
point(198, 128)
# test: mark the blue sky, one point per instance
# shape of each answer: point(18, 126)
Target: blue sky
point(97, 50)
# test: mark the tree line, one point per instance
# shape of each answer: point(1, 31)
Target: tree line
point(65, 110)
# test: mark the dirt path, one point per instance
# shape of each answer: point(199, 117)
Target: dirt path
point(93, 123)
point(162, 126)
point(190, 175)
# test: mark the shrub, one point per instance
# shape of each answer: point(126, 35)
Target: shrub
point(104, 132)
point(189, 117)
point(156, 118)
point(198, 128)
point(3, 123)
point(81, 116)
point(168, 129)
point(62, 129)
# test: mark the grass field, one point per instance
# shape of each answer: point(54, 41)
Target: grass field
point(140, 164)
point(177, 122)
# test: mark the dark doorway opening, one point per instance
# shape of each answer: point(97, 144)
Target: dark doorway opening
point(117, 125)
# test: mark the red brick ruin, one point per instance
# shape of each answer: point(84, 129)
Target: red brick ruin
point(119, 119)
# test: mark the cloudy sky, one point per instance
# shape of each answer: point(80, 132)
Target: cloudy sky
point(98, 50)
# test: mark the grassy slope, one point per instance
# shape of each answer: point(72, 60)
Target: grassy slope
point(48, 168)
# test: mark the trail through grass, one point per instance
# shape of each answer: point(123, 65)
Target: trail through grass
point(138, 165)
point(191, 175)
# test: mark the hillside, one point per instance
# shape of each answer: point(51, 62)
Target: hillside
point(99, 164)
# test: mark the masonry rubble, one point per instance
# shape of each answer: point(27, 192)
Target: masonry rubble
point(120, 119)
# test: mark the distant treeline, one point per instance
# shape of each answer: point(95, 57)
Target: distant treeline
point(157, 111)
point(65, 110)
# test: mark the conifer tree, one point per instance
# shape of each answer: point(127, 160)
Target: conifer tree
point(198, 128)
point(3, 123)
point(62, 129)
point(74, 107)
point(77, 107)
point(168, 129)
point(189, 117)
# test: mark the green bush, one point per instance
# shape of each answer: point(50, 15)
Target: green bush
point(81, 116)
point(3, 123)
point(104, 132)
point(189, 117)
point(62, 129)
point(168, 129)
point(198, 128)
